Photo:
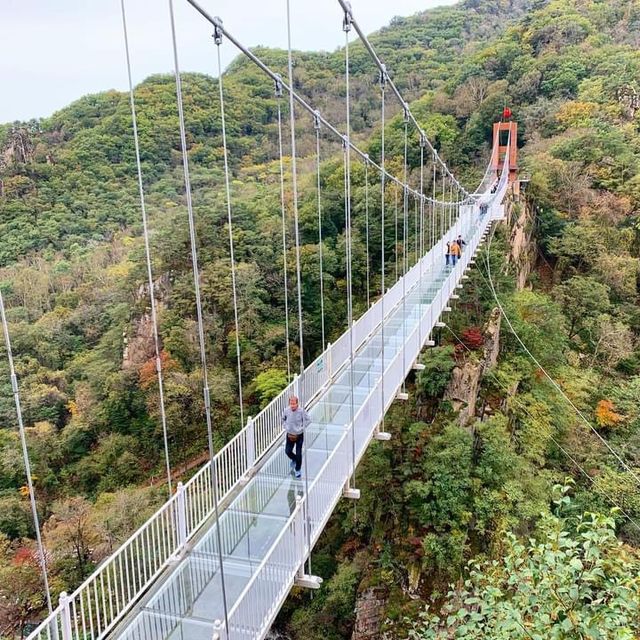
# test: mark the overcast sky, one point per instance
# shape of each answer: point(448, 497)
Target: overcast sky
point(55, 51)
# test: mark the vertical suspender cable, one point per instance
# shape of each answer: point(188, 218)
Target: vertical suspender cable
point(444, 199)
point(395, 250)
point(346, 26)
point(453, 208)
point(421, 244)
point(278, 91)
point(196, 285)
point(434, 221)
point(42, 558)
point(316, 126)
point(405, 240)
point(227, 189)
point(147, 251)
point(296, 227)
point(383, 82)
point(415, 228)
point(294, 171)
point(366, 222)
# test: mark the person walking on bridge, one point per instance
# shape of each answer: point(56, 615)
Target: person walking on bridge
point(295, 420)
point(455, 252)
point(447, 253)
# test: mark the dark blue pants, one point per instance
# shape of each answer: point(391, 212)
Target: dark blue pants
point(297, 456)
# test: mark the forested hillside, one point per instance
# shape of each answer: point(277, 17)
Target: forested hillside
point(455, 485)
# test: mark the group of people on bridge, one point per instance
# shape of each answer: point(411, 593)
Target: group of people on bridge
point(453, 251)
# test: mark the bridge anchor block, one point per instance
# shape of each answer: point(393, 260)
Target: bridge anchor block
point(350, 493)
point(308, 582)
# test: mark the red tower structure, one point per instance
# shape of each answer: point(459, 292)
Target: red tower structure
point(505, 135)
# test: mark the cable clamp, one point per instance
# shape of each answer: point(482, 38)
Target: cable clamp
point(423, 140)
point(207, 397)
point(366, 158)
point(277, 81)
point(217, 30)
point(405, 111)
point(384, 76)
point(14, 384)
point(348, 18)
point(345, 142)
point(316, 120)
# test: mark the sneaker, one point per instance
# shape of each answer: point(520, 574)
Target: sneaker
point(292, 464)
point(298, 474)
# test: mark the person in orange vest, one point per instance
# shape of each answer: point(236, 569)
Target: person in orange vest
point(454, 248)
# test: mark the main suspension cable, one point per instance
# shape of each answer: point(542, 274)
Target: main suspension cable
point(346, 6)
point(294, 95)
point(200, 318)
point(147, 251)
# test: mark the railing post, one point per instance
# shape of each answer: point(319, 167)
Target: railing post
point(65, 615)
point(296, 385)
point(302, 579)
point(251, 443)
point(301, 539)
point(181, 505)
point(329, 361)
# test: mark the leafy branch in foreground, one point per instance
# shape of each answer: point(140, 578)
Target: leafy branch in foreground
point(575, 581)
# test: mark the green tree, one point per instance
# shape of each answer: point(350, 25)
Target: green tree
point(575, 581)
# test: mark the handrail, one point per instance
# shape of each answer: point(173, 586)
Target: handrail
point(108, 594)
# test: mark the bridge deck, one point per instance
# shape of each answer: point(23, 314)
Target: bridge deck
point(188, 598)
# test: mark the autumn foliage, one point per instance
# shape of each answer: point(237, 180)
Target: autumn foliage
point(606, 415)
point(472, 338)
point(148, 374)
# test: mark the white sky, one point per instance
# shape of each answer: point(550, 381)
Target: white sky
point(55, 51)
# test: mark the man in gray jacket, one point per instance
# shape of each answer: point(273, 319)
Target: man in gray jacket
point(294, 421)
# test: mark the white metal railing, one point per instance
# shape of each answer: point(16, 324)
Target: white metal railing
point(93, 609)
point(262, 597)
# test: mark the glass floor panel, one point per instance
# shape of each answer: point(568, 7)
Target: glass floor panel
point(186, 605)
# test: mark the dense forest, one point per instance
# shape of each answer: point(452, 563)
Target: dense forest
point(464, 507)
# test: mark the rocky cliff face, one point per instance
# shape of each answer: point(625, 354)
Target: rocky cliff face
point(369, 615)
point(523, 249)
point(463, 388)
point(139, 344)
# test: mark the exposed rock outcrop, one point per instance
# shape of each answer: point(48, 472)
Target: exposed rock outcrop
point(369, 614)
point(463, 388)
point(522, 245)
point(139, 344)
